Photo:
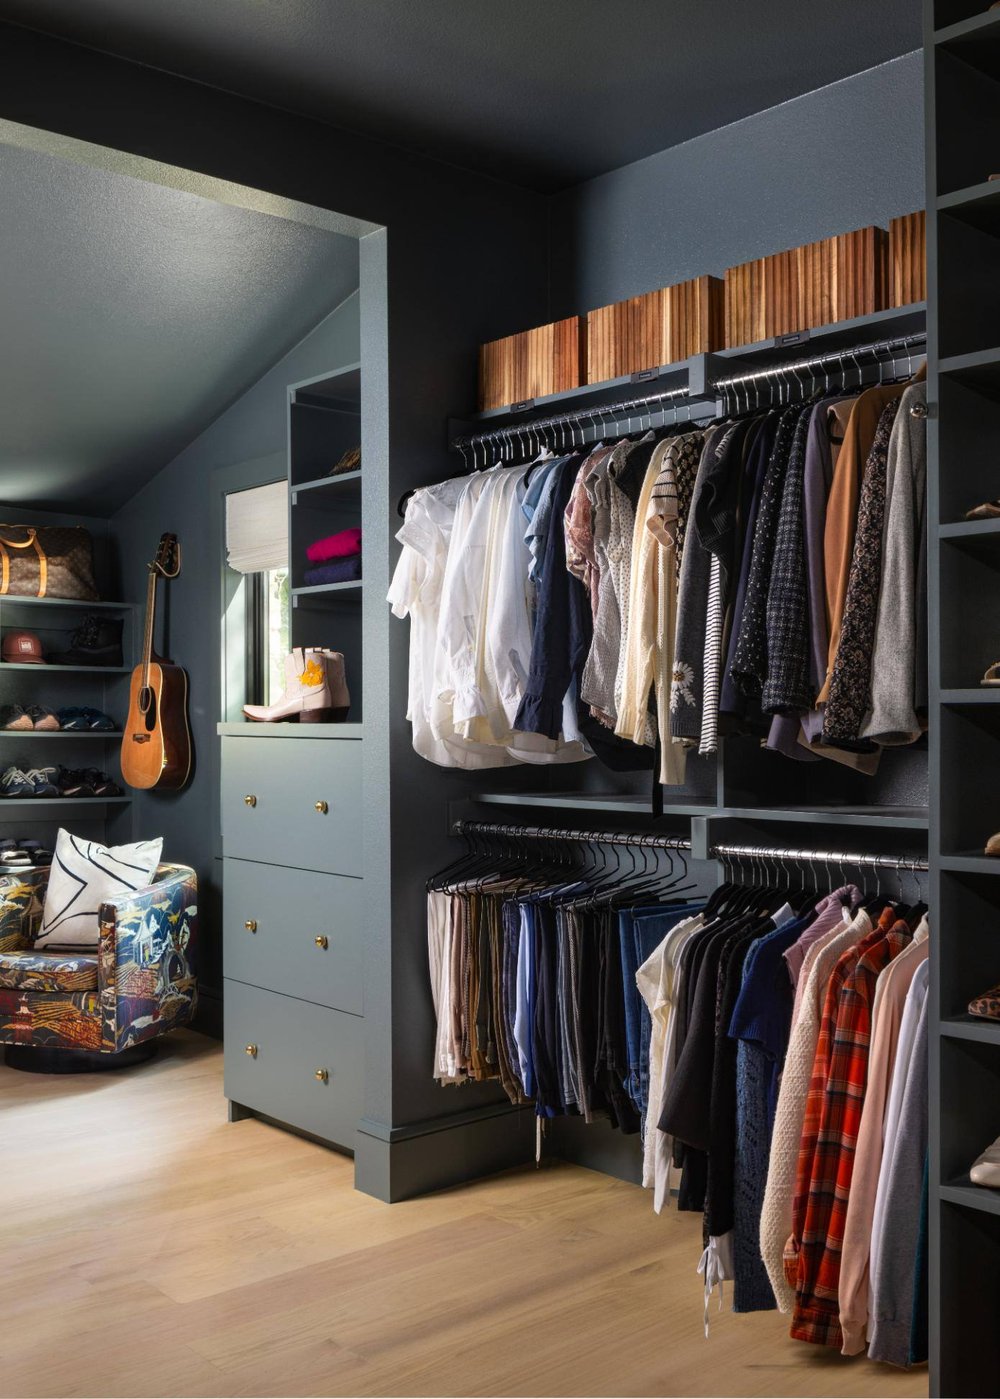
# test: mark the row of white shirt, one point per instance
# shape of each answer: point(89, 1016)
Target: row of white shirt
point(463, 579)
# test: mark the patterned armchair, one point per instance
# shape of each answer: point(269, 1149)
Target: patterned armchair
point(135, 986)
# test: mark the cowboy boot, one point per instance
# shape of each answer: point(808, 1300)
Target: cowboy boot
point(336, 678)
point(306, 696)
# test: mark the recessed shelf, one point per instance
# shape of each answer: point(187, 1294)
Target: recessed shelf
point(633, 804)
point(970, 529)
point(11, 599)
point(970, 862)
point(47, 669)
point(979, 370)
point(105, 735)
point(974, 1197)
point(975, 41)
point(978, 206)
point(971, 1027)
point(321, 590)
point(239, 729)
point(343, 490)
point(28, 804)
point(983, 694)
point(912, 818)
point(339, 389)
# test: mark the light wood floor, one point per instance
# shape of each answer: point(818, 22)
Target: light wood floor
point(152, 1248)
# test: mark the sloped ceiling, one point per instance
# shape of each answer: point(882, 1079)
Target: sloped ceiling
point(132, 316)
point(542, 92)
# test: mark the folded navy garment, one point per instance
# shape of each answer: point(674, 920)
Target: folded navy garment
point(340, 571)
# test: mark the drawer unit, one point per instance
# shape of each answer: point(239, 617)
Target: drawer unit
point(293, 804)
point(297, 1062)
point(295, 931)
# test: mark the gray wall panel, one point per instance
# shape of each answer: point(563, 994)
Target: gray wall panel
point(839, 158)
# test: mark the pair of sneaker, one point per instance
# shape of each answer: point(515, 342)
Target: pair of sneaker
point(23, 718)
point(23, 854)
point(79, 718)
point(58, 782)
point(35, 782)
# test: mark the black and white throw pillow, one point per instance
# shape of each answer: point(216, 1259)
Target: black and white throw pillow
point(86, 874)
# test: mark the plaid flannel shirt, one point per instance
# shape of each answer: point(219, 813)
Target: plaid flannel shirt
point(817, 1309)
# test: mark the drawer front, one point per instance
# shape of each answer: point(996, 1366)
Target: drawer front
point(305, 934)
point(293, 803)
point(293, 1040)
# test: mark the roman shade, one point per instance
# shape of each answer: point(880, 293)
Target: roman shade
point(257, 528)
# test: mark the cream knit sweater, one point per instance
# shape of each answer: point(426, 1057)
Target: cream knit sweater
point(776, 1215)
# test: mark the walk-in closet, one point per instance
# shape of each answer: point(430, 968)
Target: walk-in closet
point(499, 829)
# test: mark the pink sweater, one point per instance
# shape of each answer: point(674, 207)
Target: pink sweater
point(335, 546)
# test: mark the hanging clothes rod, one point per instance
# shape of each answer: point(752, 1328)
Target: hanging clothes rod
point(836, 358)
point(856, 859)
point(491, 828)
point(596, 413)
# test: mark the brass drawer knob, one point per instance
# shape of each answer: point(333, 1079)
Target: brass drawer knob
point(321, 940)
point(251, 925)
point(249, 800)
point(322, 1075)
point(251, 1049)
point(322, 807)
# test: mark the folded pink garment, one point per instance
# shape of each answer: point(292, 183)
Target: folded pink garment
point(335, 546)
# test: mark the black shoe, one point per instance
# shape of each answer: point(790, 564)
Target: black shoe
point(102, 784)
point(96, 641)
point(73, 783)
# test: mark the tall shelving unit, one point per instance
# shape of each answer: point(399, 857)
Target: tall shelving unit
point(324, 421)
point(962, 56)
point(54, 686)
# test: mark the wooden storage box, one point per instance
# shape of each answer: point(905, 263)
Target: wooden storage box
point(908, 259)
point(531, 364)
point(817, 284)
point(661, 327)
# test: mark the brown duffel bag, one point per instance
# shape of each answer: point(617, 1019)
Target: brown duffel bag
point(50, 561)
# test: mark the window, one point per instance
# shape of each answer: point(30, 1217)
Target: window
point(257, 547)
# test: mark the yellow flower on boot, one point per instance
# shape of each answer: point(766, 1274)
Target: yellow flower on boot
point(314, 674)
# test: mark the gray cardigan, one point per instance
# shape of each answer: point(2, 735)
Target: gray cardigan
point(899, 659)
point(891, 1304)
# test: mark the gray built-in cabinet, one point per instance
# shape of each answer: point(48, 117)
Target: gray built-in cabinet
point(292, 830)
point(292, 928)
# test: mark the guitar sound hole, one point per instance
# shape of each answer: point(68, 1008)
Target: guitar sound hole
point(147, 707)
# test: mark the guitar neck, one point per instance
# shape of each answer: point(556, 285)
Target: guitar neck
point(147, 640)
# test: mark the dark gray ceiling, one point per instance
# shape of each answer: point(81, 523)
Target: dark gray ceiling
point(546, 92)
point(132, 316)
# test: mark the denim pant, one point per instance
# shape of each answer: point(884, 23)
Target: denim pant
point(641, 930)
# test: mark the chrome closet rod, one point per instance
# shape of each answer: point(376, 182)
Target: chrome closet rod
point(856, 859)
point(832, 357)
point(658, 842)
point(596, 412)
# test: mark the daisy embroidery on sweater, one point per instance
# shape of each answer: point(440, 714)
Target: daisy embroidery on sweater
point(680, 688)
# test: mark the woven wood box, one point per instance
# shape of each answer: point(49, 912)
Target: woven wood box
point(908, 259)
point(548, 359)
point(816, 284)
point(661, 327)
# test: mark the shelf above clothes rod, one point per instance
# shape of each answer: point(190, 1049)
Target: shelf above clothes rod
point(649, 840)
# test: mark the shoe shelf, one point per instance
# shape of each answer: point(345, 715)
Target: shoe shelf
point(55, 604)
point(972, 1027)
point(26, 804)
point(337, 492)
point(101, 735)
point(970, 529)
point(47, 669)
point(973, 1197)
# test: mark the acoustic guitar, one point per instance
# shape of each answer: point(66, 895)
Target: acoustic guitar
point(156, 747)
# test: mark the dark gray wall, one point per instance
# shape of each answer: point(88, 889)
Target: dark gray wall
point(838, 158)
point(244, 447)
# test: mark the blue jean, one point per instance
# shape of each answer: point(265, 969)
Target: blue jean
point(640, 931)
